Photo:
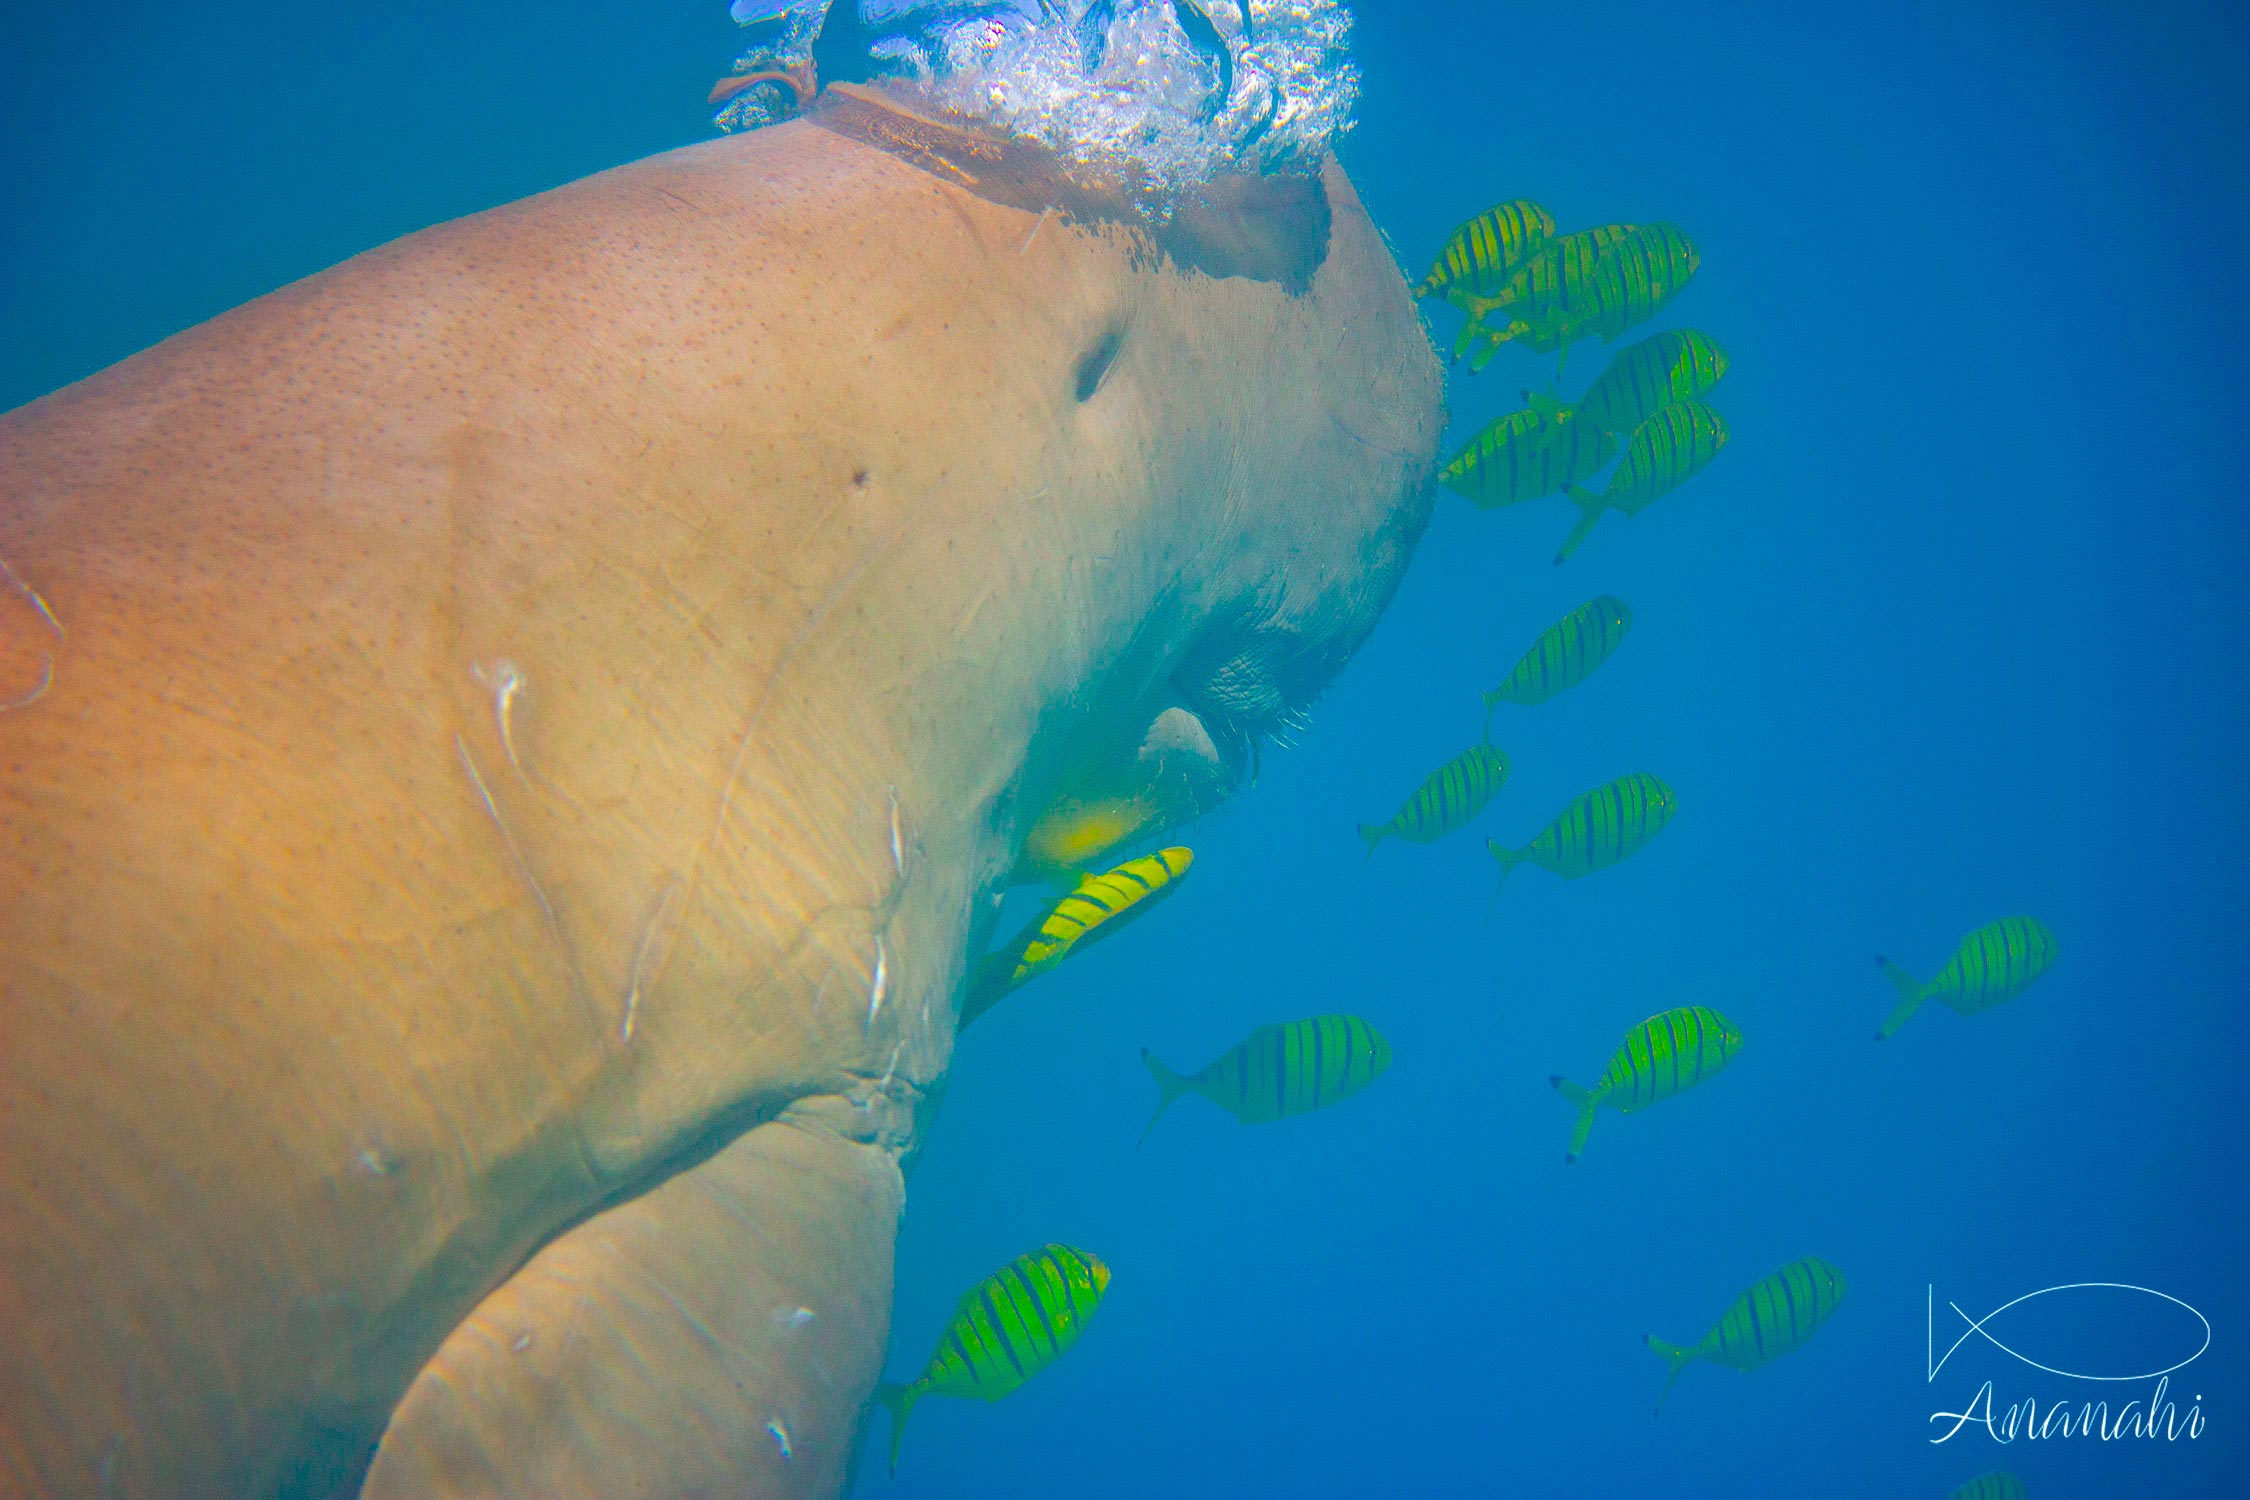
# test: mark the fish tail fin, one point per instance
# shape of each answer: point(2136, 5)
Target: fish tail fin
point(1589, 511)
point(1170, 1086)
point(1374, 833)
point(1584, 1101)
point(1549, 406)
point(898, 1400)
point(1911, 992)
point(1471, 326)
point(1671, 1354)
point(1476, 305)
point(1509, 859)
point(1491, 349)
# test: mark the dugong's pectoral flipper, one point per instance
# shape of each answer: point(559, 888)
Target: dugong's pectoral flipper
point(718, 1335)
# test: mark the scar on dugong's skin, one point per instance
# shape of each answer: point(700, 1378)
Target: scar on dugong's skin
point(509, 743)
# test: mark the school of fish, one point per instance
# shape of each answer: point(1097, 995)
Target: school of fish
point(1646, 421)
point(1515, 281)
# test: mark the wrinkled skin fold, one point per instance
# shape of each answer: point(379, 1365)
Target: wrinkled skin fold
point(507, 748)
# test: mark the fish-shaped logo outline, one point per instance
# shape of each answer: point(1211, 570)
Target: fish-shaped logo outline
point(1934, 1363)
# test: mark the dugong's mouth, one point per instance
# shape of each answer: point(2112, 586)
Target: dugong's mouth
point(1176, 772)
point(1244, 685)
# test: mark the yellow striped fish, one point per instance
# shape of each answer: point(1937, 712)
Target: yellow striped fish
point(1615, 278)
point(1006, 1329)
point(1558, 276)
point(1484, 253)
point(1098, 906)
point(1566, 653)
point(1994, 964)
point(1998, 1485)
point(1679, 364)
point(1558, 272)
point(1608, 824)
point(1666, 451)
point(1077, 832)
point(1661, 1056)
point(1526, 455)
point(1454, 793)
point(1769, 1320)
point(1637, 276)
point(1291, 1068)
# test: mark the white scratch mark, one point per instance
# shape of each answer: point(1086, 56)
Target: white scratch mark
point(794, 1318)
point(898, 840)
point(515, 852)
point(882, 984)
point(46, 681)
point(1025, 248)
point(373, 1162)
point(523, 1342)
point(505, 682)
point(36, 603)
point(890, 1072)
point(649, 935)
point(779, 1430)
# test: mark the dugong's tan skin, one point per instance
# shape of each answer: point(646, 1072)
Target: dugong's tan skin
point(509, 746)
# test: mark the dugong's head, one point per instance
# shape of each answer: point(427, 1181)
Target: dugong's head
point(1218, 453)
point(545, 711)
point(1040, 519)
point(1020, 524)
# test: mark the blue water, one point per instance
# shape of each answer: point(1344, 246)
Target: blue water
point(1954, 629)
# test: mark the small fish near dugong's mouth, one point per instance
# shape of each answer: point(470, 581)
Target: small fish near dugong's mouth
point(1175, 774)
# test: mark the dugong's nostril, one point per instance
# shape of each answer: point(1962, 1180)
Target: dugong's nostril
point(1093, 365)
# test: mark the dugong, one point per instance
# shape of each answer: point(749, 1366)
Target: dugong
point(508, 747)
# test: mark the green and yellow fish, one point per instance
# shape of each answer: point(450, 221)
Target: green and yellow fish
point(1994, 964)
point(1291, 1068)
point(1769, 1320)
point(1554, 281)
point(1566, 653)
point(1614, 278)
point(1662, 1056)
point(1454, 793)
point(1097, 907)
point(1679, 364)
point(1665, 452)
point(1606, 825)
point(1636, 278)
point(1998, 1485)
point(1006, 1329)
point(1484, 253)
point(1526, 455)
